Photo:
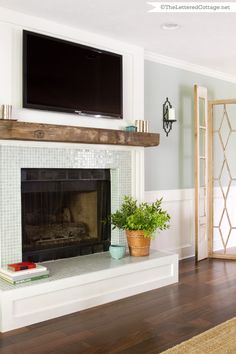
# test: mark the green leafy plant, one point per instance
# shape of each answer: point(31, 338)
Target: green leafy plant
point(143, 216)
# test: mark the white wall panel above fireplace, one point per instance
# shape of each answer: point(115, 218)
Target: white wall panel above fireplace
point(11, 25)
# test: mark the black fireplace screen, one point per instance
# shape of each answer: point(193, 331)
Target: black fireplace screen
point(63, 212)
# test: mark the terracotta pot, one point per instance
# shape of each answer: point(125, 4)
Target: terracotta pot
point(138, 244)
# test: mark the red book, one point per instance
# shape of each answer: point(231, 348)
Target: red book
point(21, 266)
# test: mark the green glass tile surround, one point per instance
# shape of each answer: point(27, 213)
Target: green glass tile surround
point(13, 158)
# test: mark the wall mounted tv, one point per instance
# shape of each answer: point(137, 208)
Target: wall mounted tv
point(68, 77)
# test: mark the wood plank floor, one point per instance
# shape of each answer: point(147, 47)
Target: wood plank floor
point(146, 323)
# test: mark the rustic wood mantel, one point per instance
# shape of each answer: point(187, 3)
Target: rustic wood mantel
point(13, 130)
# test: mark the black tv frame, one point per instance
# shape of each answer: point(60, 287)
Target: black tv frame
point(61, 109)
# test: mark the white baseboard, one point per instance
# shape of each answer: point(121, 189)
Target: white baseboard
point(180, 237)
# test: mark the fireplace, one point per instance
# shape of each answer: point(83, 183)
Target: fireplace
point(18, 156)
point(63, 212)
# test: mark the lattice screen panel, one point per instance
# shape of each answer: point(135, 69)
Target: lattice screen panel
point(224, 179)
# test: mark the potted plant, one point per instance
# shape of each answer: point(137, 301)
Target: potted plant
point(140, 221)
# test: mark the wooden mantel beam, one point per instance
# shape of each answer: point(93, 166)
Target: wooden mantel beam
point(14, 130)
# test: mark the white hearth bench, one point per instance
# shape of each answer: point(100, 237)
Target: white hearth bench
point(82, 282)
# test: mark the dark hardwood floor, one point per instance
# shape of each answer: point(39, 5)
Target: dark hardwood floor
point(145, 323)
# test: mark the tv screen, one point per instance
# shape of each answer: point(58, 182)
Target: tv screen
point(63, 76)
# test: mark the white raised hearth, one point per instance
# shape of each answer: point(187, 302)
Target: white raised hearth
point(82, 282)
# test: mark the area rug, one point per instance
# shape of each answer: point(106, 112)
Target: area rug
point(218, 340)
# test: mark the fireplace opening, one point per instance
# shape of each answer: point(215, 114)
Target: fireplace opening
point(63, 212)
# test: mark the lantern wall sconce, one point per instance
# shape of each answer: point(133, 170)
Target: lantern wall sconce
point(168, 116)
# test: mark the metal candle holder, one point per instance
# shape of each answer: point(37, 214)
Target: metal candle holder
point(167, 123)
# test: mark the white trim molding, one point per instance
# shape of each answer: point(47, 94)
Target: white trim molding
point(184, 65)
point(179, 238)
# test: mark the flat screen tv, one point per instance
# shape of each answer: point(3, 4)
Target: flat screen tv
point(69, 77)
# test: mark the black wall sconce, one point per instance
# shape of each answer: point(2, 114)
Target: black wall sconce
point(168, 116)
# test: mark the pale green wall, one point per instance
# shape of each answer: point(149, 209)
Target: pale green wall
point(170, 165)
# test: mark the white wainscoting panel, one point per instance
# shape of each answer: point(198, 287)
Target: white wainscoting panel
point(179, 238)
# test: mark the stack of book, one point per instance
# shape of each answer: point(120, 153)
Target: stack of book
point(23, 272)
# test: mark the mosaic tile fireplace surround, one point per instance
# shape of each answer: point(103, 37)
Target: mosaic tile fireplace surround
point(17, 156)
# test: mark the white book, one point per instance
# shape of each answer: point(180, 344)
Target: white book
point(20, 281)
point(26, 276)
point(24, 273)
